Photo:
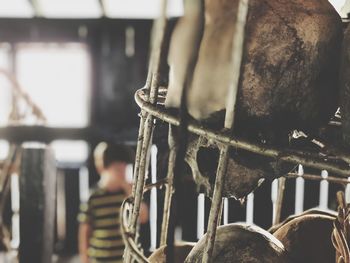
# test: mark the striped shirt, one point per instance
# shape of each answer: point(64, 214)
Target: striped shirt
point(102, 213)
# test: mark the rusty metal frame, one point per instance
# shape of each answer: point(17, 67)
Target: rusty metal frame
point(169, 187)
point(146, 126)
point(308, 159)
point(146, 99)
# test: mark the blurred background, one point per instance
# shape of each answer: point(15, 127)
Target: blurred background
point(80, 62)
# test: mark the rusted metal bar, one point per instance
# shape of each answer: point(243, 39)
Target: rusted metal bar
point(143, 115)
point(148, 125)
point(127, 235)
point(169, 187)
point(216, 204)
point(140, 184)
point(237, 51)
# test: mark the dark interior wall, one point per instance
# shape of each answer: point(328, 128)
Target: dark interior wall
point(119, 75)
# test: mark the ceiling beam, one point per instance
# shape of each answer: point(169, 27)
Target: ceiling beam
point(25, 133)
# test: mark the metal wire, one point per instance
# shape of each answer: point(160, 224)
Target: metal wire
point(128, 235)
point(169, 187)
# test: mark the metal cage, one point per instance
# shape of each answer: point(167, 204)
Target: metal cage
point(148, 99)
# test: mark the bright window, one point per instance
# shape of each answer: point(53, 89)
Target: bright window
point(140, 8)
point(57, 78)
point(5, 89)
point(70, 9)
point(16, 8)
point(70, 151)
point(338, 5)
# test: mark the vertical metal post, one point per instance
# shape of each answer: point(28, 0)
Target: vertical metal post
point(200, 215)
point(169, 187)
point(237, 51)
point(140, 184)
point(226, 211)
point(299, 191)
point(153, 199)
point(250, 209)
point(147, 123)
point(215, 208)
point(347, 192)
point(274, 194)
point(324, 186)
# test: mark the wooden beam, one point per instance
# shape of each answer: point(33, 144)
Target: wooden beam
point(19, 134)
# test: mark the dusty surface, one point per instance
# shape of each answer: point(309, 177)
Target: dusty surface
point(239, 243)
point(290, 63)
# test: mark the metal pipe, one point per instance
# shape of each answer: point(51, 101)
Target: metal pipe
point(127, 235)
point(169, 187)
point(215, 208)
point(148, 126)
point(148, 129)
point(216, 205)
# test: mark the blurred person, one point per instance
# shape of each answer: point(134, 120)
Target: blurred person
point(100, 238)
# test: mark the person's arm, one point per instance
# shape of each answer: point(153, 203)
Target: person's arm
point(143, 217)
point(84, 235)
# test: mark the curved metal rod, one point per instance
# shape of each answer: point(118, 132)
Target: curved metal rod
point(128, 237)
point(293, 156)
point(127, 234)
